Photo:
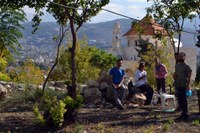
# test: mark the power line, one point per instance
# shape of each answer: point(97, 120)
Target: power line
point(119, 14)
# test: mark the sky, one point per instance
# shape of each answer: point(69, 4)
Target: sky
point(131, 8)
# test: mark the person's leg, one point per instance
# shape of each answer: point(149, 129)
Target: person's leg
point(149, 91)
point(116, 97)
point(158, 84)
point(162, 82)
point(130, 90)
point(121, 93)
point(178, 98)
point(183, 103)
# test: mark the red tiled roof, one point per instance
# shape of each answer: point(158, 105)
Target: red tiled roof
point(148, 26)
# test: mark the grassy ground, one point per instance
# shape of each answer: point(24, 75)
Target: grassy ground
point(16, 116)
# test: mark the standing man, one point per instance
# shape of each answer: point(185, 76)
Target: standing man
point(117, 75)
point(160, 72)
point(182, 77)
point(176, 56)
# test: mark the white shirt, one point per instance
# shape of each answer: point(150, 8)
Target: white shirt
point(139, 74)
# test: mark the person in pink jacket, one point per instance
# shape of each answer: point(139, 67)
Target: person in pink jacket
point(160, 72)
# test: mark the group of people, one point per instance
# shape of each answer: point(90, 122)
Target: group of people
point(181, 77)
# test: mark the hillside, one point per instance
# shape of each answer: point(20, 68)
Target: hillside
point(100, 33)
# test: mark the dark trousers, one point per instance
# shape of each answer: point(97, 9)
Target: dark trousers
point(176, 94)
point(148, 91)
point(183, 100)
point(160, 84)
point(118, 95)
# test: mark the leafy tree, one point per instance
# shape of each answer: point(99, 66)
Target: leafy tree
point(101, 59)
point(10, 26)
point(28, 73)
point(90, 61)
point(172, 15)
point(3, 75)
point(90, 8)
point(64, 10)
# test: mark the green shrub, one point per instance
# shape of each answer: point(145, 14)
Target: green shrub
point(54, 108)
point(4, 77)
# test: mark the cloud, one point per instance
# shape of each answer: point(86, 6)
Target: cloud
point(141, 1)
point(115, 8)
point(28, 10)
point(107, 16)
point(137, 11)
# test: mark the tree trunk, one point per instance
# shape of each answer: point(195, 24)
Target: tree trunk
point(73, 60)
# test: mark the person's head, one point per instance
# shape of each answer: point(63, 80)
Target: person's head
point(182, 56)
point(119, 62)
point(157, 61)
point(176, 56)
point(141, 66)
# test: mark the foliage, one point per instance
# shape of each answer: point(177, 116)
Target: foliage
point(196, 122)
point(40, 119)
point(102, 59)
point(3, 74)
point(150, 53)
point(90, 8)
point(90, 61)
point(54, 109)
point(28, 73)
point(10, 29)
point(172, 15)
point(4, 77)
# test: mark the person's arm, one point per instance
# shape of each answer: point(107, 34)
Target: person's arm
point(120, 84)
point(189, 74)
point(111, 76)
point(138, 77)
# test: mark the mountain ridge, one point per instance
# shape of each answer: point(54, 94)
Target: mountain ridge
point(99, 33)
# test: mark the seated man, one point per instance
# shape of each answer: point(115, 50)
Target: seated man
point(141, 82)
point(117, 75)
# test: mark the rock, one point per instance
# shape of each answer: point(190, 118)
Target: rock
point(105, 78)
point(60, 84)
point(92, 95)
point(92, 84)
point(103, 86)
point(51, 88)
point(81, 88)
point(3, 92)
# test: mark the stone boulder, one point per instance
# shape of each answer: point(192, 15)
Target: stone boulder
point(3, 92)
point(105, 78)
point(61, 85)
point(92, 95)
point(81, 88)
point(92, 84)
